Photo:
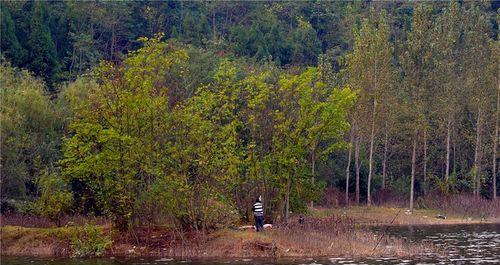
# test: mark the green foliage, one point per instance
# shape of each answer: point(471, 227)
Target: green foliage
point(305, 43)
point(43, 58)
point(10, 45)
point(30, 131)
point(19, 206)
point(309, 113)
point(69, 38)
point(437, 184)
point(115, 147)
point(55, 198)
point(263, 38)
point(447, 187)
point(144, 150)
point(187, 131)
point(401, 185)
point(89, 241)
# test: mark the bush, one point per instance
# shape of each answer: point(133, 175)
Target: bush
point(89, 241)
point(401, 185)
point(163, 203)
point(7, 207)
point(12, 206)
point(55, 199)
point(220, 215)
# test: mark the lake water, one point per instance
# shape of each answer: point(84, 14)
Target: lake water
point(464, 244)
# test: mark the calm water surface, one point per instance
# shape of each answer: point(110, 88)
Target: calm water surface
point(464, 244)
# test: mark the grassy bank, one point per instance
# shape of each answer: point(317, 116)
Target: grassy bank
point(224, 243)
point(386, 215)
point(278, 243)
point(23, 241)
point(329, 232)
point(322, 236)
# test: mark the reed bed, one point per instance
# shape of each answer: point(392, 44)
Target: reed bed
point(465, 205)
point(35, 221)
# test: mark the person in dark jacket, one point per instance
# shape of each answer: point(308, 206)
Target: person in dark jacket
point(258, 212)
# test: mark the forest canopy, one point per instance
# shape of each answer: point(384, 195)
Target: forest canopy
point(145, 110)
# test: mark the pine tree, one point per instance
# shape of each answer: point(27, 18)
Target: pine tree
point(43, 55)
point(9, 43)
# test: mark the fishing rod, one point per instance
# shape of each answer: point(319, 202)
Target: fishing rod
point(386, 228)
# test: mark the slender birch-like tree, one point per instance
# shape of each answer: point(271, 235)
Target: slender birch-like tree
point(370, 68)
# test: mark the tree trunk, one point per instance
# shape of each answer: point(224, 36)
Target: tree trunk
point(476, 154)
point(370, 160)
point(287, 206)
point(454, 141)
point(357, 165)
point(313, 165)
point(425, 161)
point(448, 136)
point(413, 165)
point(495, 143)
point(73, 60)
point(113, 40)
point(213, 25)
point(347, 171)
point(384, 162)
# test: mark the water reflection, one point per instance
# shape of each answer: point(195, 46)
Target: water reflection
point(464, 244)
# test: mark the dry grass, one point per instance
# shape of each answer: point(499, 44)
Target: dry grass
point(29, 220)
point(331, 236)
point(309, 242)
point(333, 232)
point(465, 206)
point(16, 240)
point(384, 215)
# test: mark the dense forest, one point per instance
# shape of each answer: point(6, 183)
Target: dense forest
point(146, 110)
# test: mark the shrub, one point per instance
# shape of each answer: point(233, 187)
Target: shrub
point(401, 185)
point(464, 204)
point(220, 215)
point(332, 197)
point(12, 206)
point(389, 197)
point(55, 199)
point(89, 241)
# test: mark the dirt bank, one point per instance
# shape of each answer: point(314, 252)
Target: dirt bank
point(327, 232)
point(223, 243)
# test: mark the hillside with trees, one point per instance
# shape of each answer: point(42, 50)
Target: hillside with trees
point(148, 111)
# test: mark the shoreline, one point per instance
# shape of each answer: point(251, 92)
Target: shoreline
point(358, 242)
point(222, 244)
point(384, 215)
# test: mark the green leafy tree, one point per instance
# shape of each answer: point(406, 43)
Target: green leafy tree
point(481, 85)
point(417, 65)
point(310, 122)
point(30, 131)
point(448, 59)
point(370, 69)
point(306, 45)
point(264, 37)
point(115, 147)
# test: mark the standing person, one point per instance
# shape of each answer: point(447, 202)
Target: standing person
point(258, 212)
